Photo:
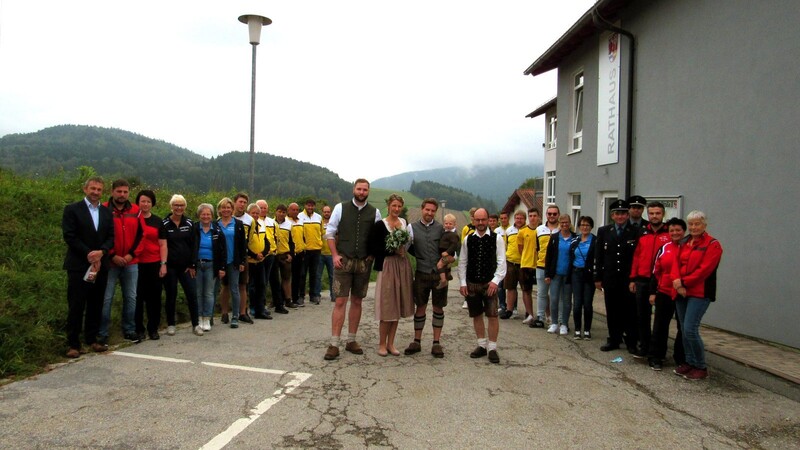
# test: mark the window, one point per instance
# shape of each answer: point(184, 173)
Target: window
point(551, 187)
point(551, 132)
point(577, 113)
point(575, 208)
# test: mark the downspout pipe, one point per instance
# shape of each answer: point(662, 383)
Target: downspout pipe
point(603, 24)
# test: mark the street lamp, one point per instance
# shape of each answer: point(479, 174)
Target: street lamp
point(254, 23)
point(443, 203)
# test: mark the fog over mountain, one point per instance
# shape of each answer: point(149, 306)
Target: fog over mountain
point(493, 182)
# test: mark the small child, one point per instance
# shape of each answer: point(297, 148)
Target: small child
point(448, 245)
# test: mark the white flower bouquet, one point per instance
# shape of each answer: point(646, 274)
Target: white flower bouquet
point(396, 239)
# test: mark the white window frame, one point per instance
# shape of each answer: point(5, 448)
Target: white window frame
point(550, 185)
point(576, 141)
point(552, 130)
point(575, 207)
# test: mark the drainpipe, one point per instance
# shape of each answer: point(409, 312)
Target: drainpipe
point(603, 24)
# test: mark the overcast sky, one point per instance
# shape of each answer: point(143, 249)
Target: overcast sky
point(365, 88)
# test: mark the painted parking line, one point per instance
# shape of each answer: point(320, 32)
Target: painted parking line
point(221, 440)
point(155, 358)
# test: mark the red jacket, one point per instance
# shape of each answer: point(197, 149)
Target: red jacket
point(696, 266)
point(661, 280)
point(647, 245)
point(127, 231)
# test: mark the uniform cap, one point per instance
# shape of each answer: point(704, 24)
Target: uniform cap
point(619, 205)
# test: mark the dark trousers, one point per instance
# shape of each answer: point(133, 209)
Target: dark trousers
point(310, 268)
point(298, 283)
point(583, 295)
point(643, 315)
point(258, 285)
point(174, 276)
point(84, 306)
point(620, 312)
point(501, 296)
point(148, 297)
point(273, 278)
point(665, 309)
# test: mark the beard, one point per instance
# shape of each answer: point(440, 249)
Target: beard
point(360, 198)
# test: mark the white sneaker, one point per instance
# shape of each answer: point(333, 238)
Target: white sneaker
point(514, 314)
point(464, 305)
point(564, 330)
point(206, 324)
point(171, 330)
point(553, 329)
point(198, 330)
point(528, 319)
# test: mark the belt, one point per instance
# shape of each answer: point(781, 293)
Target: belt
point(206, 260)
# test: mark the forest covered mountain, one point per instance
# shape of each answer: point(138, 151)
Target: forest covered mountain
point(490, 182)
point(118, 153)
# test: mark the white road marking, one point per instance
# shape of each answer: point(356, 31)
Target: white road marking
point(156, 358)
point(245, 368)
point(221, 440)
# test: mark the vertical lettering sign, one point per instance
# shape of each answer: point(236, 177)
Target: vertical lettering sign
point(608, 99)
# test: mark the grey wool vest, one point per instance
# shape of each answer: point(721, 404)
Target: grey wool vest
point(426, 245)
point(354, 228)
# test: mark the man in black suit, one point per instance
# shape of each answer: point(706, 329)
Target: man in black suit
point(612, 267)
point(89, 233)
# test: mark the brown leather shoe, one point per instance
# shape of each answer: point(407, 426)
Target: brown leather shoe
point(412, 348)
point(437, 351)
point(99, 348)
point(354, 348)
point(332, 353)
point(73, 353)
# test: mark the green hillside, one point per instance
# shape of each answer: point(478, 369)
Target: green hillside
point(113, 153)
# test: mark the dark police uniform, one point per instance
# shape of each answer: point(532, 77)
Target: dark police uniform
point(612, 267)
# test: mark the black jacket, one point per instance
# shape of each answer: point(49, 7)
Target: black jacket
point(239, 241)
point(613, 255)
point(81, 237)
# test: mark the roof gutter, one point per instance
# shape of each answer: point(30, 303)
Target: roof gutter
point(601, 23)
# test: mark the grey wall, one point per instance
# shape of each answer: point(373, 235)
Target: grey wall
point(715, 121)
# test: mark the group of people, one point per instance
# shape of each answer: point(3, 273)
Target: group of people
point(639, 265)
point(228, 254)
point(359, 237)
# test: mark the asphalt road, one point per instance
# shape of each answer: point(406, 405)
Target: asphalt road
point(267, 386)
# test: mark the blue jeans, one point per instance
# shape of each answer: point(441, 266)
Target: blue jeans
point(325, 261)
point(560, 294)
point(205, 288)
point(128, 278)
point(690, 313)
point(541, 294)
point(232, 278)
point(583, 295)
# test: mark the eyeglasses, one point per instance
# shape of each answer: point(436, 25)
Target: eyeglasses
point(552, 214)
point(178, 206)
point(584, 225)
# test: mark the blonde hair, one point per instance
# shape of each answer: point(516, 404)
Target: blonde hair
point(177, 198)
point(394, 197)
point(225, 200)
point(449, 218)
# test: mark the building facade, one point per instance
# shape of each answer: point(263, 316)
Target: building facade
point(697, 110)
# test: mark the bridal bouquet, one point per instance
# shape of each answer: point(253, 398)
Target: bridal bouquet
point(396, 239)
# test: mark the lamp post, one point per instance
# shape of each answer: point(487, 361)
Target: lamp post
point(443, 203)
point(254, 23)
